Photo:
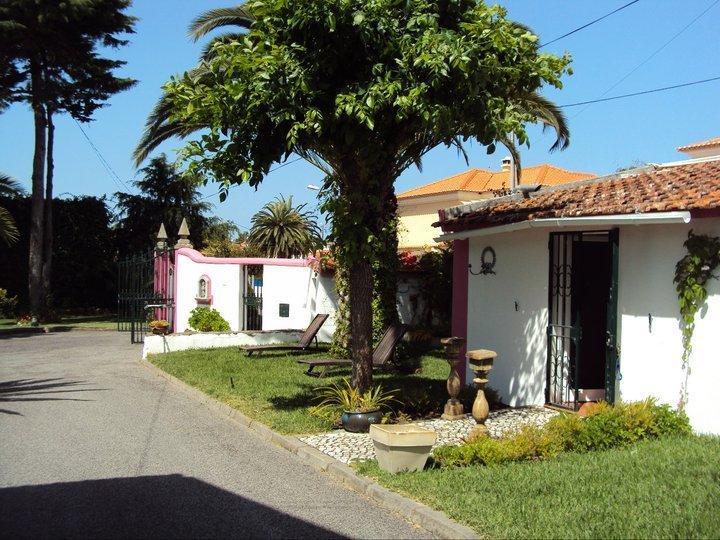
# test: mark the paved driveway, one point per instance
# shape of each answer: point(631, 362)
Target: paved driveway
point(92, 444)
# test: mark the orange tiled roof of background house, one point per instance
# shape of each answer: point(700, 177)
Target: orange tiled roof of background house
point(483, 180)
point(655, 188)
point(715, 141)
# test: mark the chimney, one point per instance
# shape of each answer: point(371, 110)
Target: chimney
point(506, 163)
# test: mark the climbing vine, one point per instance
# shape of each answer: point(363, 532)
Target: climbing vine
point(692, 273)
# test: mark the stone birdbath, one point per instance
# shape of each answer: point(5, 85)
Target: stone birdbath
point(453, 408)
point(481, 362)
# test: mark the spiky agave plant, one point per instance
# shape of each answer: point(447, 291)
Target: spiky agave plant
point(341, 396)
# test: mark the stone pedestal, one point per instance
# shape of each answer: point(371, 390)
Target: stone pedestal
point(481, 362)
point(454, 409)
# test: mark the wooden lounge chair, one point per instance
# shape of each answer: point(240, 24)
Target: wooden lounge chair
point(381, 354)
point(302, 345)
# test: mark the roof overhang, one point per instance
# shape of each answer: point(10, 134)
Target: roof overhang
point(650, 218)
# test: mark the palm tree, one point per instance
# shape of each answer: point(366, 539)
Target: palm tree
point(159, 127)
point(166, 196)
point(281, 230)
point(11, 188)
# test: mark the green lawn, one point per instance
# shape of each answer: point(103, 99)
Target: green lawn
point(659, 489)
point(89, 322)
point(273, 388)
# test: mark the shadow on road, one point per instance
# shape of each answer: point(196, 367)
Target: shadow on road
point(148, 506)
point(41, 390)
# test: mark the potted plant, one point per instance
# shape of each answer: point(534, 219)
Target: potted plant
point(159, 327)
point(359, 410)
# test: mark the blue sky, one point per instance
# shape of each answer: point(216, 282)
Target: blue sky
point(603, 136)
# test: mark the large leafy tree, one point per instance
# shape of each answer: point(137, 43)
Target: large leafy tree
point(166, 195)
point(280, 229)
point(49, 59)
point(363, 89)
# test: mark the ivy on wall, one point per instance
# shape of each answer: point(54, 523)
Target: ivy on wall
point(692, 273)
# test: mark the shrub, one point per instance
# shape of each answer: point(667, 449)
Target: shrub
point(605, 427)
point(205, 319)
point(8, 304)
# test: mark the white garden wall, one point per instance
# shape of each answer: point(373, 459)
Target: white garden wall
point(285, 281)
point(225, 290)
point(650, 353)
point(290, 286)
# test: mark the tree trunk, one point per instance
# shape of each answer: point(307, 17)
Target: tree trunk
point(360, 292)
point(48, 225)
point(37, 208)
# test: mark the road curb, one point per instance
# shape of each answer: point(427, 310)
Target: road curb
point(431, 520)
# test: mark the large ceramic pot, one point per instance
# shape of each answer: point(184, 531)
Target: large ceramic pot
point(359, 422)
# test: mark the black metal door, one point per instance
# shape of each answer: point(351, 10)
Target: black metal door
point(582, 306)
point(252, 297)
point(145, 288)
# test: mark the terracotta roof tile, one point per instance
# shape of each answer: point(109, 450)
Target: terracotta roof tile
point(483, 180)
point(715, 141)
point(656, 188)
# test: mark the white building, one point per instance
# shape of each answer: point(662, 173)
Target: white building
point(573, 287)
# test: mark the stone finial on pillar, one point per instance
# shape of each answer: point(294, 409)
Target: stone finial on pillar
point(162, 238)
point(183, 236)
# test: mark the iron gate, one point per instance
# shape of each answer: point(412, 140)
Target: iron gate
point(563, 331)
point(145, 288)
point(252, 297)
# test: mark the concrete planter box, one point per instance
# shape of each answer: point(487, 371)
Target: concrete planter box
point(402, 447)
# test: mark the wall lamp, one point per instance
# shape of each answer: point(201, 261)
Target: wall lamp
point(487, 262)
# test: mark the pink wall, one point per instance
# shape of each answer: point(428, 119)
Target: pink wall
point(459, 324)
point(161, 275)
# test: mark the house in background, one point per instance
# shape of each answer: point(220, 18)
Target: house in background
point(418, 207)
point(572, 285)
point(702, 149)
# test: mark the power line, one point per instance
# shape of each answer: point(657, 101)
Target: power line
point(113, 175)
point(653, 54)
point(664, 88)
point(270, 171)
point(589, 24)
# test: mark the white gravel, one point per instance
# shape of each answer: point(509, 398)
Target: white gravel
point(346, 447)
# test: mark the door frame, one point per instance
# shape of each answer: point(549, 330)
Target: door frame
point(564, 329)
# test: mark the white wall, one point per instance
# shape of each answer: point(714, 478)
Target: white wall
point(153, 344)
point(224, 287)
point(288, 285)
point(521, 274)
point(650, 359)
point(650, 356)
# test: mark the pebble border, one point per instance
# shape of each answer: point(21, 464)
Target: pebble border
point(433, 521)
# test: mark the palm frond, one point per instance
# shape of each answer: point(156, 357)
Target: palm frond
point(215, 18)
point(9, 187)
point(550, 115)
point(8, 229)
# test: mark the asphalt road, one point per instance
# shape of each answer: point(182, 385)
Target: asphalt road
point(93, 444)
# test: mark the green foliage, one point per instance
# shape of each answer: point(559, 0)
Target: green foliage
point(205, 319)
point(692, 273)
point(166, 195)
point(606, 427)
point(84, 259)
point(51, 57)
point(280, 229)
point(363, 90)
point(339, 397)
point(8, 304)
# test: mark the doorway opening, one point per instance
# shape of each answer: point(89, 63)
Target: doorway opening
point(582, 352)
